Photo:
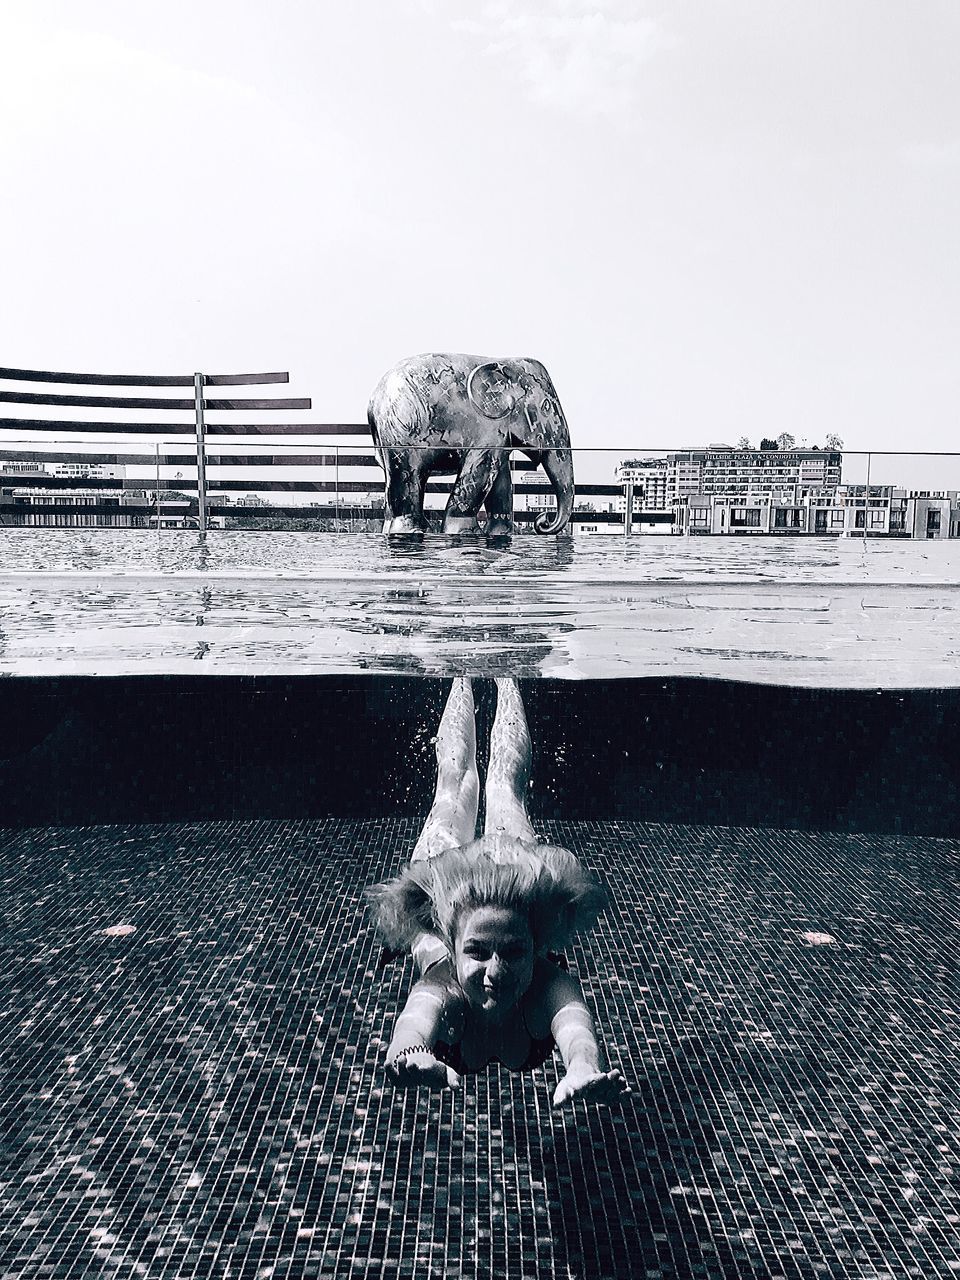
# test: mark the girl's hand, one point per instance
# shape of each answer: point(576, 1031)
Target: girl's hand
point(422, 1071)
point(592, 1085)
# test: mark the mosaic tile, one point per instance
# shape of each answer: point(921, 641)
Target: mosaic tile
point(192, 1029)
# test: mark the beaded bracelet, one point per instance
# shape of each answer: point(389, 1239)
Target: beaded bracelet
point(412, 1048)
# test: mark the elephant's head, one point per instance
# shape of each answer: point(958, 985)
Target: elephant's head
point(520, 394)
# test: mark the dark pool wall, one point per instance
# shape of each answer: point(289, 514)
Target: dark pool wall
point(695, 751)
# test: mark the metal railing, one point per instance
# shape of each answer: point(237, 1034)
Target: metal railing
point(328, 483)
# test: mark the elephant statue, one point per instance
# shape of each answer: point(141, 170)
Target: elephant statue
point(462, 415)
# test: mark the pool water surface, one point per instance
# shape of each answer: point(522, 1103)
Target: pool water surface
point(817, 613)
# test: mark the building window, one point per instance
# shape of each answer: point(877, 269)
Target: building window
point(877, 519)
point(744, 517)
point(933, 521)
point(860, 519)
point(700, 516)
point(786, 518)
point(820, 521)
point(836, 519)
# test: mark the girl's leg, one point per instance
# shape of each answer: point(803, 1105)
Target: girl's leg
point(508, 773)
point(452, 820)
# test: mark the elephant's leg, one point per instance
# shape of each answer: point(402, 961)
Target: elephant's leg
point(387, 513)
point(381, 455)
point(500, 499)
point(470, 488)
point(404, 497)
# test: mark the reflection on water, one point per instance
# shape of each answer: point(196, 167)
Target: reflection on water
point(583, 557)
point(805, 612)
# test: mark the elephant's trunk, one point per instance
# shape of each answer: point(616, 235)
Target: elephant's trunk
point(558, 464)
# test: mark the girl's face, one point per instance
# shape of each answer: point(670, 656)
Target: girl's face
point(493, 957)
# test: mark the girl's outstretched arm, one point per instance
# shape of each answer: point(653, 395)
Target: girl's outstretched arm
point(410, 1060)
point(574, 1031)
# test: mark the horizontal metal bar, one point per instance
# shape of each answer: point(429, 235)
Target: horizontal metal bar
point(294, 460)
point(146, 510)
point(20, 480)
point(252, 485)
point(119, 428)
point(76, 485)
point(234, 460)
point(143, 380)
point(215, 459)
point(146, 402)
point(343, 510)
point(303, 402)
point(243, 379)
point(288, 429)
point(91, 459)
point(114, 428)
point(16, 480)
point(91, 402)
point(616, 517)
point(298, 513)
point(304, 486)
point(346, 510)
point(73, 508)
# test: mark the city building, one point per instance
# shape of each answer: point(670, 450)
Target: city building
point(129, 509)
point(720, 469)
point(85, 470)
point(933, 514)
point(853, 511)
point(654, 486)
point(718, 490)
point(11, 468)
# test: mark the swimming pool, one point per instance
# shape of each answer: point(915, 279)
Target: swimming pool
point(819, 614)
point(204, 758)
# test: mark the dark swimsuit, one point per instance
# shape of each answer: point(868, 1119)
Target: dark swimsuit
point(451, 1055)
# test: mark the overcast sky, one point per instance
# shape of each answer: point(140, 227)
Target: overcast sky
point(709, 219)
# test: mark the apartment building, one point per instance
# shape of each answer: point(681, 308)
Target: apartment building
point(129, 509)
point(9, 468)
point(85, 470)
point(654, 484)
point(849, 511)
point(933, 514)
point(718, 469)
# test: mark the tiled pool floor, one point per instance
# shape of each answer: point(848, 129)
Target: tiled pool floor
point(202, 1094)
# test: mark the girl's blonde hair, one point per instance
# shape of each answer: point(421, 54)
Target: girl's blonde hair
point(545, 883)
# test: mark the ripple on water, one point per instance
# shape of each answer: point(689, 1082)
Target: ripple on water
point(817, 611)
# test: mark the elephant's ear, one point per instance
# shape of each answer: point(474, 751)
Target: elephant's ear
point(494, 389)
